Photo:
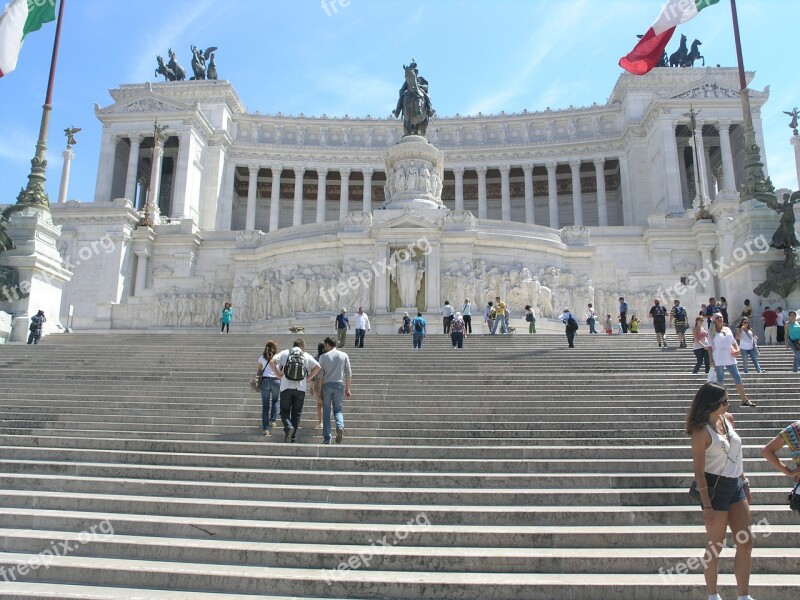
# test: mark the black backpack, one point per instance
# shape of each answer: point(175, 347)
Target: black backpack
point(418, 325)
point(295, 368)
point(572, 324)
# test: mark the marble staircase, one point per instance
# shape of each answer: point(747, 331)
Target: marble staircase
point(512, 469)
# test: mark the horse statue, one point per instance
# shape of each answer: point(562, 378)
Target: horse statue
point(162, 69)
point(414, 102)
point(199, 60)
point(179, 71)
point(693, 55)
point(677, 58)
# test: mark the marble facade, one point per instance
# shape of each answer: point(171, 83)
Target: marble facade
point(292, 217)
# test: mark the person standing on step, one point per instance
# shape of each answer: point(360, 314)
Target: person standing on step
point(447, 317)
point(792, 335)
point(723, 489)
point(658, 314)
point(341, 325)
point(296, 368)
point(419, 326)
point(530, 317)
point(336, 377)
point(747, 310)
point(225, 319)
point(679, 318)
point(780, 323)
point(712, 308)
point(609, 329)
point(37, 323)
point(317, 385)
point(748, 342)
point(633, 326)
point(770, 319)
point(591, 318)
point(723, 349)
point(570, 325)
point(406, 323)
point(722, 303)
point(362, 326)
point(700, 345)
point(466, 312)
point(489, 315)
point(500, 316)
point(270, 387)
point(457, 328)
point(623, 314)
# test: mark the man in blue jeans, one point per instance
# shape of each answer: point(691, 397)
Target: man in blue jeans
point(336, 377)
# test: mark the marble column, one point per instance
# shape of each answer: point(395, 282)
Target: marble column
point(322, 185)
point(68, 155)
point(552, 193)
point(671, 169)
point(155, 178)
point(483, 210)
point(458, 172)
point(381, 278)
point(626, 191)
point(759, 129)
point(144, 186)
point(577, 196)
point(527, 170)
point(344, 193)
point(275, 198)
point(682, 172)
point(133, 169)
point(224, 219)
point(600, 181)
point(709, 174)
point(505, 194)
point(796, 144)
point(700, 153)
point(297, 209)
point(141, 272)
point(367, 204)
point(728, 170)
point(105, 168)
point(252, 189)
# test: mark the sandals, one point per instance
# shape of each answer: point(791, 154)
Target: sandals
point(750, 404)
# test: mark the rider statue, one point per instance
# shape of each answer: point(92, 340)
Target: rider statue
point(414, 102)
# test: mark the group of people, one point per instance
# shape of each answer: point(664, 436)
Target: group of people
point(287, 375)
point(721, 486)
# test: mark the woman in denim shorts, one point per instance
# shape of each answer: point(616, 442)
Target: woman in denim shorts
point(724, 491)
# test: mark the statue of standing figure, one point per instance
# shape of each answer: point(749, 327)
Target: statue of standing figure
point(407, 274)
point(414, 102)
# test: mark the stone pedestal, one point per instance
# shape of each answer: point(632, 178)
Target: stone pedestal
point(796, 144)
point(415, 174)
point(42, 275)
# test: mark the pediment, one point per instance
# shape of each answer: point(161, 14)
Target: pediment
point(147, 103)
point(411, 221)
point(707, 90)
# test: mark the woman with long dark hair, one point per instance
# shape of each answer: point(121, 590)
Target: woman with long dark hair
point(724, 490)
point(270, 388)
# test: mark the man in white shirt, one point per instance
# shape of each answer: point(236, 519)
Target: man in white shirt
point(362, 326)
point(294, 376)
point(447, 317)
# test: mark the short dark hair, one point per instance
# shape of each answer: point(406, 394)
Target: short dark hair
point(329, 341)
point(299, 343)
point(419, 314)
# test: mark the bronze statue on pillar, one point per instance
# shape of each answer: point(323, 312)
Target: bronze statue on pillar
point(414, 102)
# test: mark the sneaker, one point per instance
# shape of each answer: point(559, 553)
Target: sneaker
point(266, 432)
point(659, 344)
point(272, 423)
point(339, 435)
point(326, 442)
point(288, 437)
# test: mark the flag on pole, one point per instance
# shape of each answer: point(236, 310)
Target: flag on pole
point(645, 56)
point(20, 18)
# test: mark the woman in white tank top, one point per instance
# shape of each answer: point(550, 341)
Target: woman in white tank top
point(724, 491)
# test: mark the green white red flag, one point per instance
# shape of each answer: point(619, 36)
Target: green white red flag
point(645, 56)
point(20, 18)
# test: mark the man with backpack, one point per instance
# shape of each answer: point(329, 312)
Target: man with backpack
point(679, 317)
point(418, 327)
point(37, 323)
point(659, 315)
point(571, 326)
point(295, 368)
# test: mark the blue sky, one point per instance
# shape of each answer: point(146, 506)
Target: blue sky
point(293, 56)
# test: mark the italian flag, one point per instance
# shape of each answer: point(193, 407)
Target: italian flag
point(20, 18)
point(645, 56)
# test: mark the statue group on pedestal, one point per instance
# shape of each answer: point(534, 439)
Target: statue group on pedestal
point(683, 56)
point(414, 103)
point(203, 66)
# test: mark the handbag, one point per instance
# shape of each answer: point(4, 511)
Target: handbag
point(794, 498)
point(255, 383)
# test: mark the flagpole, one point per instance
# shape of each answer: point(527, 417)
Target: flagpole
point(756, 185)
point(34, 194)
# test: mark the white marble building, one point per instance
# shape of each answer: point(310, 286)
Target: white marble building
point(286, 216)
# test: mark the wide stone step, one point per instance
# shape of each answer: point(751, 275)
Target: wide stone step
point(363, 583)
